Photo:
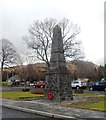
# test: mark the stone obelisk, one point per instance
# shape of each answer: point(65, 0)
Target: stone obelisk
point(58, 81)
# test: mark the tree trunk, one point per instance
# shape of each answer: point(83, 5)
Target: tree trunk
point(2, 64)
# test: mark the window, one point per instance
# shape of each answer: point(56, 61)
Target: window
point(75, 82)
point(97, 83)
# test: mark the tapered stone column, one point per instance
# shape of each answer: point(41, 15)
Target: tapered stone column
point(58, 80)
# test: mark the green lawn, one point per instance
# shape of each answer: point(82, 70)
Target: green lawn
point(19, 95)
point(93, 103)
point(97, 106)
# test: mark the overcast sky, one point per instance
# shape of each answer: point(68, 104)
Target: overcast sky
point(17, 15)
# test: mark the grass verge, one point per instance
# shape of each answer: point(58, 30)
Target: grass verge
point(19, 95)
point(91, 103)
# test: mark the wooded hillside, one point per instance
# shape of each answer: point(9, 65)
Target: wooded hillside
point(36, 72)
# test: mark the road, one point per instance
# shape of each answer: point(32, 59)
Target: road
point(10, 113)
point(19, 88)
point(8, 88)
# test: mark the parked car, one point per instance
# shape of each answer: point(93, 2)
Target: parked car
point(39, 84)
point(31, 84)
point(22, 83)
point(78, 84)
point(15, 83)
point(100, 85)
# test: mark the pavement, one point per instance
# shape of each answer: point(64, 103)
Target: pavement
point(51, 109)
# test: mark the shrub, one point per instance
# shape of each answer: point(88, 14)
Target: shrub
point(40, 91)
point(3, 83)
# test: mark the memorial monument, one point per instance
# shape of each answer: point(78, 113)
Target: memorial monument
point(58, 80)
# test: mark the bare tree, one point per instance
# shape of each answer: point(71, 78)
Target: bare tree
point(8, 54)
point(27, 69)
point(41, 35)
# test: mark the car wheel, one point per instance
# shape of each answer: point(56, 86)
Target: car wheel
point(91, 88)
point(77, 87)
point(105, 89)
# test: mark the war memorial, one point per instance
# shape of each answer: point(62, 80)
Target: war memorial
point(58, 79)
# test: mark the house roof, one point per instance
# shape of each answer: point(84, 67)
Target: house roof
point(15, 77)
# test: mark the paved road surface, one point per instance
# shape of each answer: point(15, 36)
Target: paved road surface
point(10, 113)
point(8, 88)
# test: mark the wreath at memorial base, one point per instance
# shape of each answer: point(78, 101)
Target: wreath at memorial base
point(50, 95)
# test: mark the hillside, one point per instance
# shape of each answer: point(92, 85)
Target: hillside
point(77, 68)
point(85, 69)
